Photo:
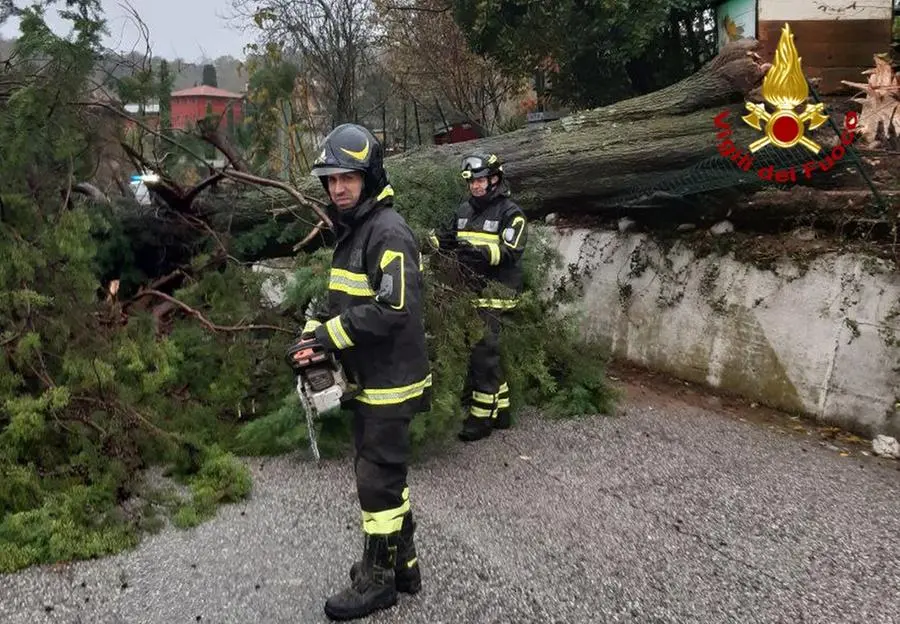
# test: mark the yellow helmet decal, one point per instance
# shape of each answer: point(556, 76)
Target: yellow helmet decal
point(360, 155)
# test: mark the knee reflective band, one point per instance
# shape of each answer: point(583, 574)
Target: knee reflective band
point(496, 304)
point(486, 405)
point(387, 521)
point(393, 396)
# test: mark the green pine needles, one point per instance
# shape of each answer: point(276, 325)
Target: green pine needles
point(115, 421)
point(548, 365)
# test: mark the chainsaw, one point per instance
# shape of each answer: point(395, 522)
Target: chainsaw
point(321, 384)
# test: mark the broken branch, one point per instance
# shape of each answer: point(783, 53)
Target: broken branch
point(309, 237)
point(313, 204)
point(86, 188)
point(147, 128)
point(205, 321)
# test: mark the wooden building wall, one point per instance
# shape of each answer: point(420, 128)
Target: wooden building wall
point(836, 39)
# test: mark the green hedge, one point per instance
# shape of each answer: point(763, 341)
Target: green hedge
point(95, 404)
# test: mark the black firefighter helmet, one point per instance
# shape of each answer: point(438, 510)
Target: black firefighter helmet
point(350, 147)
point(481, 166)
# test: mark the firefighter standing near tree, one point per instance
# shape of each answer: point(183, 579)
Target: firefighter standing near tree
point(376, 327)
point(488, 235)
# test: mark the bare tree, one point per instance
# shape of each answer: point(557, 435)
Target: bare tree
point(428, 55)
point(330, 41)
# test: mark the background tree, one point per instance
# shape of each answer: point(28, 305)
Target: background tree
point(164, 96)
point(597, 52)
point(330, 43)
point(209, 76)
point(283, 122)
point(428, 56)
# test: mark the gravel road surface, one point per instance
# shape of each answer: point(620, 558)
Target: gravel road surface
point(672, 511)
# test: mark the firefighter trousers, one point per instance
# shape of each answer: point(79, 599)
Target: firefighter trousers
point(486, 392)
point(381, 437)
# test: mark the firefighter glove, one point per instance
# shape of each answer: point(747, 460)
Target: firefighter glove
point(471, 255)
point(309, 330)
point(447, 240)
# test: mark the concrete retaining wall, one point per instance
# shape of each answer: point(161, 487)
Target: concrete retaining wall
point(817, 340)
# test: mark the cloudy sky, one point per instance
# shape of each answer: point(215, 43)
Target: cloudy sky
point(188, 29)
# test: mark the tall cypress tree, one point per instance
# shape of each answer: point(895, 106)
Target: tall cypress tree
point(209, 76)
point(164, 95)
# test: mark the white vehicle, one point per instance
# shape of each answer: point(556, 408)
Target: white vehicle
point(140, 190)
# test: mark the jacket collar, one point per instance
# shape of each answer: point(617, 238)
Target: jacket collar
point(496, 195)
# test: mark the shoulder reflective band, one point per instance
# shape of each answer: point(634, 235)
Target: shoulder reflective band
point(393, 275)
point(517, 226)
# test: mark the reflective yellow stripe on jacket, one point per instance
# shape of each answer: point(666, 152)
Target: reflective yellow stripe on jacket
point(484, 239)
point(356, 284)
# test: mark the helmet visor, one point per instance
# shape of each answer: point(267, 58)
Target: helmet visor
point(473, 167)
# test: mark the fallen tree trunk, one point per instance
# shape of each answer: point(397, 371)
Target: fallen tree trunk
point(625, 153)
point(593, 155)
point(607, 161)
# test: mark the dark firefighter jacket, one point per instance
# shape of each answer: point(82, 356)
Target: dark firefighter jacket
point(497, 232)
point(375, 305)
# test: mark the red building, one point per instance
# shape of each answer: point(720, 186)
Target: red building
point(456, 132)
point(189, 105)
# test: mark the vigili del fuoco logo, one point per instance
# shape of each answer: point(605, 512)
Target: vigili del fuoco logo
point(785, 89)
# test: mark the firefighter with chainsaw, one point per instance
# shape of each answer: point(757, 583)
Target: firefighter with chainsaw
point(375, 325)
point(488, 235)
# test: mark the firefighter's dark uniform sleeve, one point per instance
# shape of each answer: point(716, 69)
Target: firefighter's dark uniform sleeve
point(446, 231)
point(513, 236)
point(393, 275)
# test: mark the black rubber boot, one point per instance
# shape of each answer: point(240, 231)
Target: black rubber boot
point(407, 575)
point(373, 589)
point(503, 419)
point(475, 429)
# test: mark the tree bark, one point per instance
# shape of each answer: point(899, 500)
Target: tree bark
point(588, 157)
point(584, 163)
